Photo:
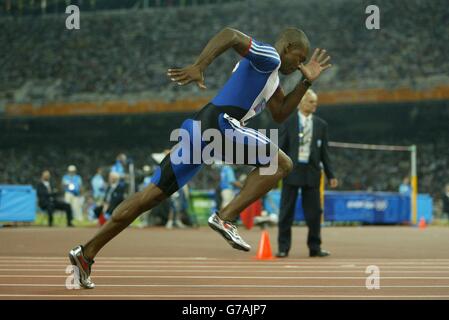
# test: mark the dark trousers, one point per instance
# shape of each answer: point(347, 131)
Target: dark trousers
point(98, 210)
point(58, 205)
point(312, 213)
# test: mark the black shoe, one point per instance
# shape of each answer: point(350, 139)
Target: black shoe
point(319, 253)
point(282, 254)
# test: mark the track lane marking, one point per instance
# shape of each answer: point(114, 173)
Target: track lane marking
point(223, 296)
point(218, 286)
point(336, 260)
point(233, 277)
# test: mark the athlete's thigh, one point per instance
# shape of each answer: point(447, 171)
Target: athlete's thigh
point(182, 163)
point(242, 145)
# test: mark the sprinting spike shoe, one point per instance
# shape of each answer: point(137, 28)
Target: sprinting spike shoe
point(228, 231)
point(77, 259)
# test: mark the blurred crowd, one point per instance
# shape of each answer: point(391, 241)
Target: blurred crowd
point(125, 54)
point(89, 193)
point(356, 169)
point(128, 52)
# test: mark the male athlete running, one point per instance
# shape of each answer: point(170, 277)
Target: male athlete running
point(253, 85)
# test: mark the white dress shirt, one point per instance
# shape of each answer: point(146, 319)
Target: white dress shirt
point(305, 137)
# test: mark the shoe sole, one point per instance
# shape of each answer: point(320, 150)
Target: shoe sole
point(75, 263)
point(228, 238)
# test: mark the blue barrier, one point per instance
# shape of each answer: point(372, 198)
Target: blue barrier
point(365, 207)
point(373, 207)
point(17, 203)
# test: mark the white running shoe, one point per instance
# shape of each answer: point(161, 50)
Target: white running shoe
point(76, 256)
point(229, 232)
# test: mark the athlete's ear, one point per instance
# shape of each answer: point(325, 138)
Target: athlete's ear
point(287, 48)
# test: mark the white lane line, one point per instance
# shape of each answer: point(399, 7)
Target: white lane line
point(215, 286)
point(251, 259)
point(208, 296)
point(117, 258)
point(228, 265)
point(251, 264)
point(229, 277)
point(240, 272)
point(180, 270)
point(336, 260)
point(185, 268)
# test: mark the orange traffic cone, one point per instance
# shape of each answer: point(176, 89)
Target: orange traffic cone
point(264, 250)
point(422, 223)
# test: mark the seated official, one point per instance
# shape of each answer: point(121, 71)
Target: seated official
point(115, 194)
point(47, 198)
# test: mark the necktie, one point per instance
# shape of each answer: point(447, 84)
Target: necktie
point(306, 136)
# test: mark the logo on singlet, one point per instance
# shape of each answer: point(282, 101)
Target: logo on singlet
point(262, 104)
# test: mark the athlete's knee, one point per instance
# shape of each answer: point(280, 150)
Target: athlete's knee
point(285, 164)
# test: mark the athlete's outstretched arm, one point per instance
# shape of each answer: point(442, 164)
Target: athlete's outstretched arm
point(222, 41)
point(281, 105)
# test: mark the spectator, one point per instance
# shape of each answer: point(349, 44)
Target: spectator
point(148, 174)
point(98, 186)
point(228, 184)
point(405, 188)
point(176, 207)
point(119, 166)
point(146, 218)
point(179, 210)
point(384, 59)
point(270, 212)
point(72, 184)
point(115, 194)
point(47, 198)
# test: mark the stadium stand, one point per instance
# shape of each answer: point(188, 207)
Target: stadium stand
point(122, 55)
point(117, 53)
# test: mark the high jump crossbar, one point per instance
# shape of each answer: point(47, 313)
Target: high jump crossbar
point(369, 146)
point(413, 171)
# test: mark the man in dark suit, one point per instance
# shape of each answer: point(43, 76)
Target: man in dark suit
point(303, 137)
point(115, 194)
point(47, 198)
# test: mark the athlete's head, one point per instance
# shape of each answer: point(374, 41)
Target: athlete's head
point(309, 102)
point(293, 47)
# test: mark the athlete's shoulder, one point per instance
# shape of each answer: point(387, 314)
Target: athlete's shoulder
point(262, 56)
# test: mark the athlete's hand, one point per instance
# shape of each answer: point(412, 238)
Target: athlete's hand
point(317, 64)
point(186, 75)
